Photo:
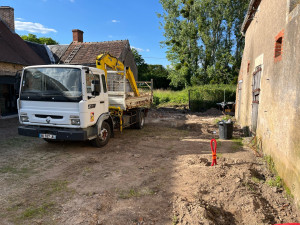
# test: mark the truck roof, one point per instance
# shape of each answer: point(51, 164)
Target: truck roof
point(59, 65)
point(65, 66)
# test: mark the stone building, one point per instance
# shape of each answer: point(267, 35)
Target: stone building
point(14, 55)
point(268, 91)
point(85, 53)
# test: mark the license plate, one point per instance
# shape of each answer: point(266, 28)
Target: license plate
point(227, 110)
point(48, 136)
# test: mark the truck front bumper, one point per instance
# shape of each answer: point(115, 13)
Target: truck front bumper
point(61, 133)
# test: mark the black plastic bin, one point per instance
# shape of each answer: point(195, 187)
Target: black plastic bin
point(225, 130)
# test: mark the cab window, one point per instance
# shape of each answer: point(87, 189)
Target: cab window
point(91, 78)
point(104, 83)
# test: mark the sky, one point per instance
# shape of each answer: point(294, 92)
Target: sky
point(100, 20)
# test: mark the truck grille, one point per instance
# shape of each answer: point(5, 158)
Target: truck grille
point(51, 116)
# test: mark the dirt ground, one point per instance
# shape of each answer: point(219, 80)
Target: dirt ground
point(158, 175)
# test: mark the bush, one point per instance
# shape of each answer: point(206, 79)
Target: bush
point(207, 96)
point(202, 97)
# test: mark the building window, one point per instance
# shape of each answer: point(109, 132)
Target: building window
point(248, 67)
point(278, 46)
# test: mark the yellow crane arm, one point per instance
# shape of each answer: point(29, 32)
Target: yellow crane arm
point(106, 59)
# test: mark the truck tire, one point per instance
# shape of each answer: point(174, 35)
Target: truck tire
point(140, 120)
point(103, 137)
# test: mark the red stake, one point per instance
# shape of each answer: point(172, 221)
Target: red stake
point(214, 152)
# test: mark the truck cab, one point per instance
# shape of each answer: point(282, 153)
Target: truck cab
point(64, 102)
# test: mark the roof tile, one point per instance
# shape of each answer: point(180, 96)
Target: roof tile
point(90, 50)
point(15, 50)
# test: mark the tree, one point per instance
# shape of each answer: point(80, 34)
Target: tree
point(137, 57)
point(41, 40)
point(203, 40)
point(146, 72)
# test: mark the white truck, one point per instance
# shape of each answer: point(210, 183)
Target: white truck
point(74, 102)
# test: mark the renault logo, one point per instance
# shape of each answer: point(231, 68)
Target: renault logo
point(48, 119)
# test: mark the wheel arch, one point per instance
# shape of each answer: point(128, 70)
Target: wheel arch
point(106, 117)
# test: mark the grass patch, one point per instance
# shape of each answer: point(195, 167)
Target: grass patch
point(249, 186)
point(39, 202)
point(256, 180)
point(170, 98)
point(175, 220)
point(270, 164)
point(56, 186)
point(288, 192)
point(219, 142)
point(276, 182)
point(14, 142)
point(202, 97)
point(135, 193)
point(34, 212)
point(237, 143)
point(14, 170)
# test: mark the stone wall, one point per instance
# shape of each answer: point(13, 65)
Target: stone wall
point(279, 104)
point(9, 68)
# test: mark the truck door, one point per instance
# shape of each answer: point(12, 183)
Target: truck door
point(96, 99)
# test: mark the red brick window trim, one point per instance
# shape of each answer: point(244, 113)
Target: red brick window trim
point(278, 46)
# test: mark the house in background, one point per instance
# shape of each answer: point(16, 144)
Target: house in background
point(14, 55)
point(268, 92)
point(85, 53)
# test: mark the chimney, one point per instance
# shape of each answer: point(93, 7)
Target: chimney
point(7, 16)
point(77, 35)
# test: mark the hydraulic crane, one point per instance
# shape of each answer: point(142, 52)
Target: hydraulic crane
point(104, 60)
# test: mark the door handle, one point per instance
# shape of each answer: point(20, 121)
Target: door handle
point(101, 102)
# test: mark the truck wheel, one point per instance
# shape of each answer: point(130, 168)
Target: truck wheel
point(140, 120)
point(103, 136)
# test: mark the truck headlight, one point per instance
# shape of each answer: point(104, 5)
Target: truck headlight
point(75, 120)
point(24, 117)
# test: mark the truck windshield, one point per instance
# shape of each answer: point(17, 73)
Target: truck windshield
point(51, 84)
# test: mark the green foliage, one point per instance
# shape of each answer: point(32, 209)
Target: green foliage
point(276, 182)
point(137, 57)
point(207, 96)
point(203, 40)
point(219, 155)
point(237, 143)
point(175, 220)
point(170, 98)
point(41, 40)
point(256, 180)
point(135, 193)
point(270, 164)
point(146, 72)
point(202, 97)
point(287, 191)
point(158, 73)
point(38, 211)
point(14, 170)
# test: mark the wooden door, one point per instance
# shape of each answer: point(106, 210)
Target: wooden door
point(255, 97)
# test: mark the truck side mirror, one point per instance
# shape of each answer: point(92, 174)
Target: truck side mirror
point(95, 87)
